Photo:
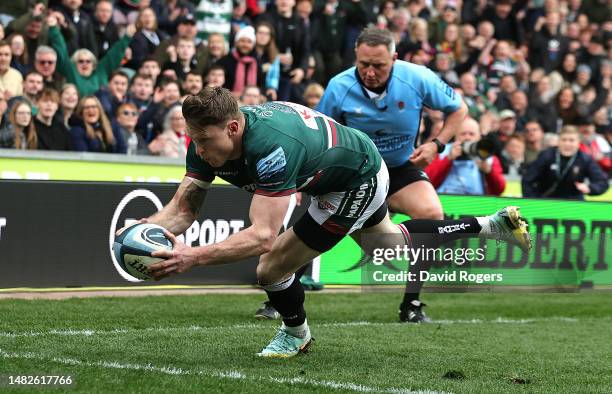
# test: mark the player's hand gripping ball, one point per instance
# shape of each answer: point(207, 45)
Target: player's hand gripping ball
point(133, 248)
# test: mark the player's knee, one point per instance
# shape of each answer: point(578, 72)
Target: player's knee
point(431, 211)
point(268, 273)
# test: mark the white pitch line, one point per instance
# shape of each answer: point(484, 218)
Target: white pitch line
point(92, 332)
point(234, 375)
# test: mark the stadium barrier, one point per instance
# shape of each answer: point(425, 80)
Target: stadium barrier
point(58, 234)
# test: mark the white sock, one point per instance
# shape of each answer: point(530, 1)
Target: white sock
point(300, 331)
point(485, 224)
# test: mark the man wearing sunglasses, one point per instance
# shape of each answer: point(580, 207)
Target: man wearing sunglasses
point(45, 63)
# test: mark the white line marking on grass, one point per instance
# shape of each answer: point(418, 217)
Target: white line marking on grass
point(232, 374)
point(91, 332)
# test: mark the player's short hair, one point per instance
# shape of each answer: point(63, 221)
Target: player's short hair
point(374, 36)
point(210, 107)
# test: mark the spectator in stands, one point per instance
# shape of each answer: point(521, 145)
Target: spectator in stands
point(477, 102)
point(19, 132)
point(126, 12)
point(293, 42)
point(193, 83)
point(506, 61)
point(251, 96)
point(499, 138)
point(11, 81)
point(541, 96)
point(241, 67)
point(173, 141)
point(330, 21)
point(45, 61)
point(141, 91)
point(267, 56)
point(105, 30)
point(186, 29)
point(69, 99)
point(534, 140)
point(548, 44)
point(239, 18)
point(313, 94)
point(19, 51)
point(514, 153)
point(84, 70)
point(519, 105)
point(215, 76)
point(125, 124)
point(151, 68)
point(455, 172)
point(151, 121)
point(92, 131)
point(418, 39)
point(217, 48)
point(182, 58)
point(438, 24)
point(566, 107)
point(147, 37)
point(51, 131)
point(30, 24)
point(561, 172)
point(32, 86)
point(80, 25)
point(595, 145)
point(171, 13)
point(214, 16)
point(505, 23)
point(115, 93)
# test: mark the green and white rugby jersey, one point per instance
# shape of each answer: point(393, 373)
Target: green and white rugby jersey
point(287, 148)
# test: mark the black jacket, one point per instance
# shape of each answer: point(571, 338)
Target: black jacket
point(291, 33)
point(54, 137)
point(542, 174)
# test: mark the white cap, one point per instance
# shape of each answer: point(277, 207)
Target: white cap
point(246, 32)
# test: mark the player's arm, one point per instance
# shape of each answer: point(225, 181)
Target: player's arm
point(184, 207)
point(439, 96)
point(266, 214)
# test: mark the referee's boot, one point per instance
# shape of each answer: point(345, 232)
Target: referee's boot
point(413, 312)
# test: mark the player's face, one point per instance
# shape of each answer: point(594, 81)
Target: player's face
point(374, 64)
point(214, 144)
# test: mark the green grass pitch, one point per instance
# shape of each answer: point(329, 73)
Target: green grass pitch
point(493, 343)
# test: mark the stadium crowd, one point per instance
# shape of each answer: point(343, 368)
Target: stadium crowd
point(110, 75)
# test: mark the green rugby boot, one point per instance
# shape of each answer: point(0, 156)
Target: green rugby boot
point(508, 225)
point(285, 345)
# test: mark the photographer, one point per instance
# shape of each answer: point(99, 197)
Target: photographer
point(460, 170)
point(561, 172)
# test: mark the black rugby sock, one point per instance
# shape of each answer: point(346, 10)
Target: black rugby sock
point(287, 297)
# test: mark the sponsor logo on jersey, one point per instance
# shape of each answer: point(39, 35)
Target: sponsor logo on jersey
point(326, 205)
point(359, 199)
point(271, 167)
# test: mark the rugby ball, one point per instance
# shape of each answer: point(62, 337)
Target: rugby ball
point(133, 247)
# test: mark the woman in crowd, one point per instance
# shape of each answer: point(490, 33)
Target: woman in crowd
point(173, 141)
point(566, 107)
point(147, 37)
point(19, 50)
point(267, 55)
point(92, 130)
point(19, 131)
point(83, 69)
point(69, 99)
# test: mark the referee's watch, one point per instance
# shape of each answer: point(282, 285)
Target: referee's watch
point(439, 144)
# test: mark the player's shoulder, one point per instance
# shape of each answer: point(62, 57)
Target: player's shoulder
point(410, 73)
point(346, 79)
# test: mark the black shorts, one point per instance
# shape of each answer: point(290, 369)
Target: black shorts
point(404, 175)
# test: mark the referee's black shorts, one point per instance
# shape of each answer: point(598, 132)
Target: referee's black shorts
point(404, 175)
